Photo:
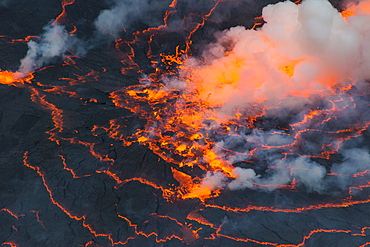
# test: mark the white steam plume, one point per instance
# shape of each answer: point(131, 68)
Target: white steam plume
point(312, 41)
point(53, 44)
point(124, 13)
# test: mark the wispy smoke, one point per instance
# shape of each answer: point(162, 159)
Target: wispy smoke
point(123, 14)
point(53, 44)
point(246, 178)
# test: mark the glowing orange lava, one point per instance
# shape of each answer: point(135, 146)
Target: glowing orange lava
point(13, 79)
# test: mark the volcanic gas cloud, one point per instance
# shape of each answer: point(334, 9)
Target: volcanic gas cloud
point(266, 108)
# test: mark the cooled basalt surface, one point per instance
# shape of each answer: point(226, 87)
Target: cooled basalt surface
point(83, 163)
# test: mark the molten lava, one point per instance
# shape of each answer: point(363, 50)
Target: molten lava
point(7, 77)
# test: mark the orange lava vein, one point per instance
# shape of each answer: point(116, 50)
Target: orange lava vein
point(42, 175)
point(11, 213)
point(57, 114)
point(147, 235)
point(195, 216)
point(65, 167)
point(173, 4)
point(11, 244)
point(289, 210)
point(63, 15)
point(305, 238)
point(189, 42)
point(26, 39)
point(37, 213)
point(61, 207)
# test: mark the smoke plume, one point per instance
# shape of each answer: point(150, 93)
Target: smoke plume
point(52, 45)
point(302, 48)
point(123, 14)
